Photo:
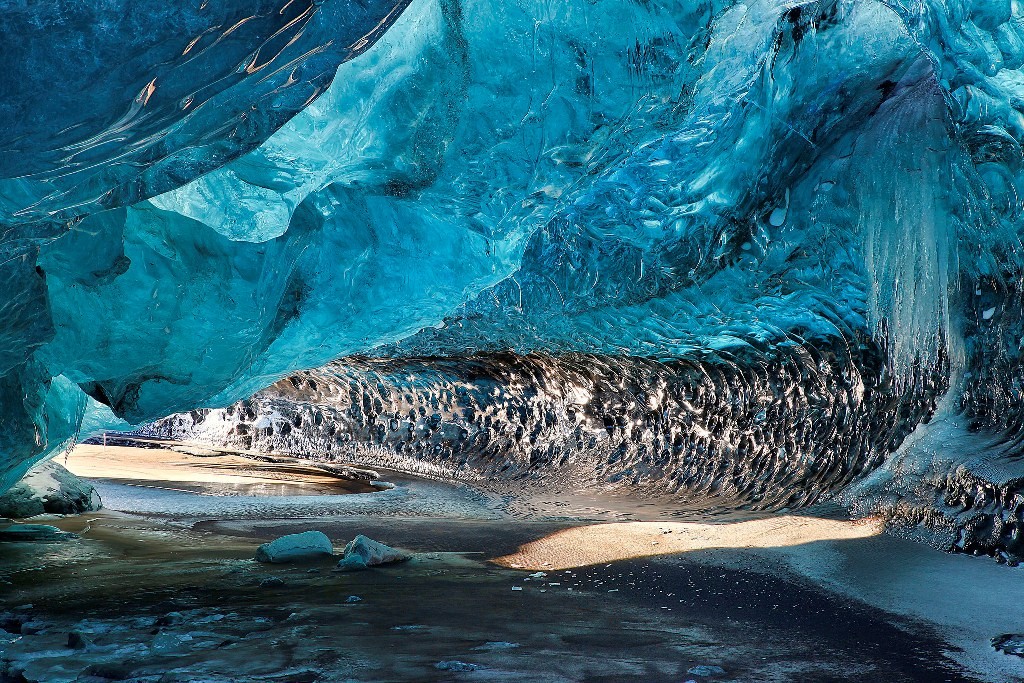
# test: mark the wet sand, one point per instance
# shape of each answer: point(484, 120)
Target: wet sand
point(206, 471)
point(163, 588)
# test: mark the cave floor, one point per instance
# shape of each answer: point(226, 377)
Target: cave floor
point(156, 591)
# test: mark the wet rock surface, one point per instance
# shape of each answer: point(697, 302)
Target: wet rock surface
point(49, 488)
point(191, 605)
point(362, 553)
point(33, 533)
point(764, 430)
point(1010, 643)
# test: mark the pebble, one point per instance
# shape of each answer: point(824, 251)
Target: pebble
point(497, 645)
point(1010, 644)
point(456, 665)
point(271, 582)
point(706, 670)
point(78, 641)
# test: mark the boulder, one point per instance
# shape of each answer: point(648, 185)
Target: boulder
point(706, 670)
point(49, 488)
point(78, 640)
point(362, 552)
point(308, 545)
point(456, 665)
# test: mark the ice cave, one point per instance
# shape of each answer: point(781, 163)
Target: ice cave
point(511, 340)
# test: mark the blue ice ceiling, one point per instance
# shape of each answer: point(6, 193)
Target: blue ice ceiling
point(632, 179)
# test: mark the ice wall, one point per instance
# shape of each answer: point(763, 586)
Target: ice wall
point(772, 428)
point(107, 102)
point(711, 185)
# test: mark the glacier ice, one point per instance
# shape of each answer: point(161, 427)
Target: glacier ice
point(107, 103)
point(362, 552)
point(735, 247)
point(303, 546)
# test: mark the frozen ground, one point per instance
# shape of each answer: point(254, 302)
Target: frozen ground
point(162, 587)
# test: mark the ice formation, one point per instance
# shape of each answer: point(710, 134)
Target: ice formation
point(107, 103)
point(737, 249)
point(304, 546)
point(49, 488)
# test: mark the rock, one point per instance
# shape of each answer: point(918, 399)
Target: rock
point(456, 665)
point(78, 641)
point(49, 488)
point(107, 671)
point(170, 619)
point(1010, 644)
point(32, 628)
point(197, 451)
point(271, 582)
point(309, 545)
point(11, 623)
point(492, 645)
point(706, 670)
point(362, 552)
point(349, 472)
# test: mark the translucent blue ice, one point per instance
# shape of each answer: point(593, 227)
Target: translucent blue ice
point(645, 178)
point(106, 102)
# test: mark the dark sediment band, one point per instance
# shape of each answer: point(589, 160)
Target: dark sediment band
point(772, 430)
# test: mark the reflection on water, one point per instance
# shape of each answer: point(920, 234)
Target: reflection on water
point(141, 600)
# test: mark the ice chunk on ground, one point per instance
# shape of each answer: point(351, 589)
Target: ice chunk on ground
point(362, 552)
point(49, 488)
point(308, 545)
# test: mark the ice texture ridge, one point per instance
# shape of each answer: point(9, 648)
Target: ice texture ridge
point(108, 102)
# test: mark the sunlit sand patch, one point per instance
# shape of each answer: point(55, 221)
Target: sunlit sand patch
point(593, 544)
point(208, 472)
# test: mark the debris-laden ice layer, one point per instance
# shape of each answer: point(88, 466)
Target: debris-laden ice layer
point(775, 428)
point(683, 184)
